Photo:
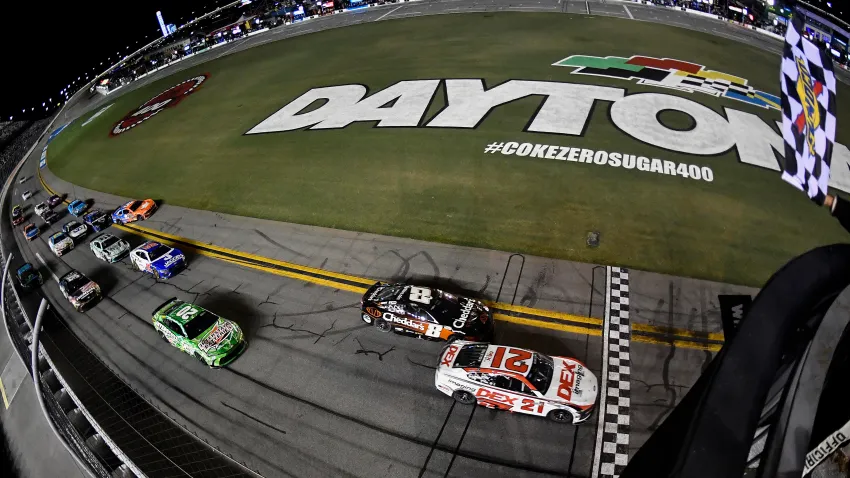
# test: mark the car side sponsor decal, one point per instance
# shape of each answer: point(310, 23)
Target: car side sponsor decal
point(504, 401)
point(424, 328)
point(405, 322)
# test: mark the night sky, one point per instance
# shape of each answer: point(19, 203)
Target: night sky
point(47, 49)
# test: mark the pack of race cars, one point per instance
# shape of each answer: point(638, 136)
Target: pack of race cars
point(471, 369)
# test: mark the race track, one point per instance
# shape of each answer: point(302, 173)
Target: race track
point(320, 393)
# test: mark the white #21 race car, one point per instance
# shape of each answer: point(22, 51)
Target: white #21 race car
point(518, 380)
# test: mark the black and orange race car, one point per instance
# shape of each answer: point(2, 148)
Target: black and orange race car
point(426, 313)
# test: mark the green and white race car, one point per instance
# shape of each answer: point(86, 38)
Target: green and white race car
point(213, 340)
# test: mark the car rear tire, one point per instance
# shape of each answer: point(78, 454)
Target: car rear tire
point(139, 218)
point(383, 325)
point(464, 397)
point(162, 334)
point(453, 338)
point(561, 416)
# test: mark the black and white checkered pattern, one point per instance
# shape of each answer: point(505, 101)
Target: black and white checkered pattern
point(808, 149)
point(612, 447)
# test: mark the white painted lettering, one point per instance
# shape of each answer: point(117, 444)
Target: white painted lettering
point(552, 151)
point(629, 161)
point(601, 157)
point(563, 154)
point(636, 115)
point(573, 156)
point(565, 110)
point(538, 151)
point(411, 100)
point(586, 156)
point(510, 147)
point(655, 166)
point(524, 149)
point(288, 118)
point(614, 159)
point(757, 143)
point(839, 172)
point(643, 163)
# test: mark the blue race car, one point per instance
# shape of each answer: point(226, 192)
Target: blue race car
point(160, 260)
point(97, 220)
point(77, 207)
point(29, 277)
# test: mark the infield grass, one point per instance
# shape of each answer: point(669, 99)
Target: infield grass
point(436, 184)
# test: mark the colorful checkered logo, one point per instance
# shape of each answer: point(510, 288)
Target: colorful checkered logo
point(671, 74)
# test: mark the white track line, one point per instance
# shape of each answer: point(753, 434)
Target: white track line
point(389, 12)
point(628, 12)
point(41, 259)
point(603, 379)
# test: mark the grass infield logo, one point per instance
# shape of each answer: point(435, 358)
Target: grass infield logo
point(167, 99)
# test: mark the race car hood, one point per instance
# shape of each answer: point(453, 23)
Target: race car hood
point(85, 291)
point(94, 217)
point(145, 206)
point(77, 231)
point(219, 338)
point(572, 382)
point(116, 249)
point(66, 242)
point(168, 260)
point(470, 310)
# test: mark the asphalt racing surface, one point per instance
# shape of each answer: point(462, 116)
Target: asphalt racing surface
point(320, 393)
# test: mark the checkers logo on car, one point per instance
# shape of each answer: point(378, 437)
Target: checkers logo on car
point(167, 99)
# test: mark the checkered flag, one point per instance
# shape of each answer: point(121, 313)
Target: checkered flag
point(808, 113)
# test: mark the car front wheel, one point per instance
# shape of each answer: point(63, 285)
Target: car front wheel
point(367, 318)
point(464, 397)
point(383, 325)
point(561, 416)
